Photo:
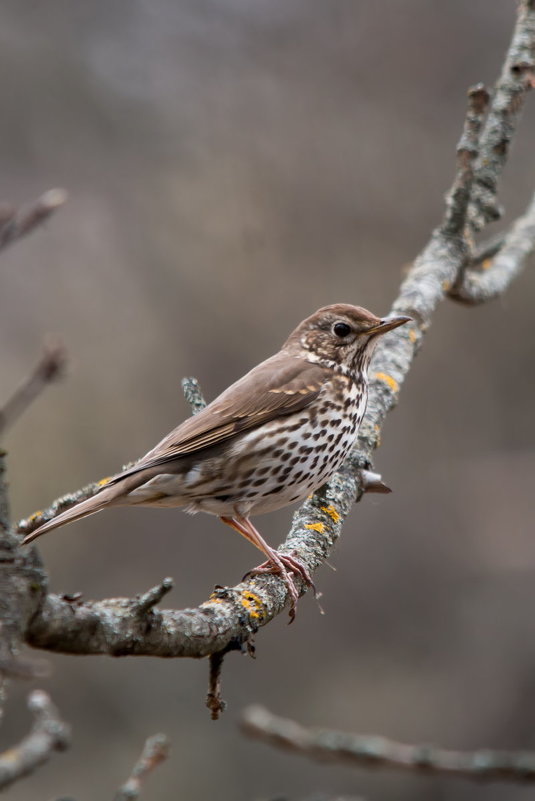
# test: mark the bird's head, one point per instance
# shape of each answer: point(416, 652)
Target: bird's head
point(341, 336)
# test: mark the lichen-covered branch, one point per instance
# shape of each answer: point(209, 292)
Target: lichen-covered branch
point(49, 734)
point(509, 95)
point(501, 266)
point(193, 395)
point(16, 223)
point(371, 751)
point(231, 615)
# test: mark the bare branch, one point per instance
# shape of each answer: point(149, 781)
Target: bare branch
point(214, 701)
point(507, 103)
point(113, 626)
point(49, 368)
point(458, 198)
point(155, 751)
point(49, 733)
point(364, 750)
point(144, 603)
point(495, 275)
point(16, 223)
point(232, 615)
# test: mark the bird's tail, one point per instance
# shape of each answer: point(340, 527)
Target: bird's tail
point(90, 506)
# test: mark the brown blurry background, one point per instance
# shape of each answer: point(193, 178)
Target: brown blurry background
point(232, 166)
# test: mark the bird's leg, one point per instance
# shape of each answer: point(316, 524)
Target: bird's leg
point(276, 562)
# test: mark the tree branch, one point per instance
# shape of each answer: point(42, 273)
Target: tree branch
point(155, 751)
point(49, 733)
point(16, 223)
point(509, 95)
point(364, 750)
point(49, 368)
point(231, 615)
point(498, 270)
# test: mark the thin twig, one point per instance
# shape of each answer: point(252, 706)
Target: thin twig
point(371, 751)
point(144, 603)
point(496, 274)
point(49, 368)
point(155, 751)
point(16, 223)
point(49, 733)
point(214, 701)
point(193, 395)
point(458, 198)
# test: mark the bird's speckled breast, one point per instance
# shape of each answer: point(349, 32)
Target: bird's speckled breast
point(284, 461)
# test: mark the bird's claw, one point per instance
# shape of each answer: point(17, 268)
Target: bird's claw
point(288, 564)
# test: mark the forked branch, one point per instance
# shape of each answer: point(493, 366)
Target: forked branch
point(49, 734)
point(232, 614)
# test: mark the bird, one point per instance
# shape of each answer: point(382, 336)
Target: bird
point(268, 441)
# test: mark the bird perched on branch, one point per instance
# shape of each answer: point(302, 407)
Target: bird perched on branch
point(269, 440)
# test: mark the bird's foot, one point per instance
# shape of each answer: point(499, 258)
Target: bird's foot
point(283, 565)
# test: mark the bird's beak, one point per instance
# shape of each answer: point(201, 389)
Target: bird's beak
point(388, 324)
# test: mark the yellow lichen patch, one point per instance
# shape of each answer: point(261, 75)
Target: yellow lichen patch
point(445, 285)
point(35, 515)
point(331, 511)
point(377, 430)
point(486, 263)
point(103, 481)
point(412, 335)
point(252, 604)
point(388, 380)
point(316, 527)
point(213, 600)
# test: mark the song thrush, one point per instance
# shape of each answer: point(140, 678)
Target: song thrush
point(269, 440)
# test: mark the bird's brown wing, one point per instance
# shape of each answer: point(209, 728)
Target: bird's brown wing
point(277, 387)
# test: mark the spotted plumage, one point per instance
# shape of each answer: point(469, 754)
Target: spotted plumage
point(269, 440)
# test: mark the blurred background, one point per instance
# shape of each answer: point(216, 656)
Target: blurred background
point(231, 167)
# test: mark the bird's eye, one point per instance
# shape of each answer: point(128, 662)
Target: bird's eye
point(341, 330)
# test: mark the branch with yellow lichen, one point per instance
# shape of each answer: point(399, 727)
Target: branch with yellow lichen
point(229, 618)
